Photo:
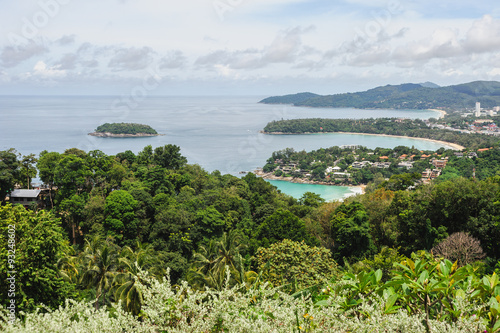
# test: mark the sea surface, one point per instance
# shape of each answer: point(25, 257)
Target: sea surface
point(218, 133)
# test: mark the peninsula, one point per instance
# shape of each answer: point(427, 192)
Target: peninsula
point(414, 128)
point(404, 96)
point(124, 130)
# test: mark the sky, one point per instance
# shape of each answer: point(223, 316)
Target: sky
point(243, 47)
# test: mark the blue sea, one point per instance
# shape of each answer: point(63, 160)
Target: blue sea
point(218, 133)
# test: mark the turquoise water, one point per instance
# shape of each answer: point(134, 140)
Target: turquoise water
point(218, 133)
point(329, 193)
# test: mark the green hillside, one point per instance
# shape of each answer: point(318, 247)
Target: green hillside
point(404, 96)
point(125, 128)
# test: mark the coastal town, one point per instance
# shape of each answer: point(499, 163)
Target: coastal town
point(478, 120)
point(358, 165)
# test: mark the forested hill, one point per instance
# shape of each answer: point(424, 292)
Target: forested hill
point(290, 99)
point(403, 96)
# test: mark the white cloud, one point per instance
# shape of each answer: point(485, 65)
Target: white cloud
point(131, 59)
point(174, 59)
point(484, 36)
point(66, 40)
point(12, 56)
point(285, 48)
point(43, 71)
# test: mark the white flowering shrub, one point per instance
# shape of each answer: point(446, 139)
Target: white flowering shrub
point(170, 308)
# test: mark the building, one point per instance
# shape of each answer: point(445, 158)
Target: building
point(407, 165)
point(478, 109)
point(25, 197)
point(439, 163)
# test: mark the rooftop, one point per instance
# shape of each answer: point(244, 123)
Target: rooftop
point(24, 193)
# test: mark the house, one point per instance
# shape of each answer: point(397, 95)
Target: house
point(341, 175)
point(382, 165)
point(435, 173)
point(426, 174)
point(472, 154)
point(459, 155)
point(361, 165)
point(439, 163)
point(407, 165)
point(25, 197)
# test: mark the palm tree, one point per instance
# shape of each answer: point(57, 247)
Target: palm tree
point(130, 264)
point(100, 260)
point(211, 262)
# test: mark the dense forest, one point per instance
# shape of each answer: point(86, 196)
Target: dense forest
point(389, 126)
point(96, 249)
point(404, 96)
point(125, 128)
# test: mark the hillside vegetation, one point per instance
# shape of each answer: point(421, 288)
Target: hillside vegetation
point(125, 128)
point(403, 96)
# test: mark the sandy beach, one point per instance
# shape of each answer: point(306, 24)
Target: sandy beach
point(443, 113)
point(453, 146)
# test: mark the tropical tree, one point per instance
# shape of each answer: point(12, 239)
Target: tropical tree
point(295, 265)
point(351, 233)
point(212, 263)
point(46, 165)
point(100, 261)
point(120, 221)
point(9, 171)
point(28, 169)
point(31, 244)
point(130, 263)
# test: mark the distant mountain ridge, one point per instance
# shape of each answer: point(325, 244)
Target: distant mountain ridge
point(404, 96)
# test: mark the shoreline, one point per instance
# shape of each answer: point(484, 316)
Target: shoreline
point(443, 113)
point(355, 189)
point(111, 135)
point(452, 146)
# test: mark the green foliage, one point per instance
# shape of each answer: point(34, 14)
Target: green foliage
point(383, 261)
point(295, 265)
point(350, 232)
point(220, 264)
point(424, 296)
point(389, 126)
point(401, 182)
point(125, 128)
point(282, 224)
point(121, 222)
point(311, 199)
point(31, 255)
point(403, 96)
point(9, 172)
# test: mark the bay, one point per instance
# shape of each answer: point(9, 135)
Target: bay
point(218, 133)
point(327, 192)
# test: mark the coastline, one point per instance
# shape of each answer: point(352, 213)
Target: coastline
point(443, 113)
point(111, 135)
point(453, 146)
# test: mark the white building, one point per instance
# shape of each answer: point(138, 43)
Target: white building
point(478, 109)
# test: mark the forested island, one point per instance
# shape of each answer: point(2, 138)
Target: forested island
point(403, 96)
point(122, 130)
point(381, 126)
point(147, 242)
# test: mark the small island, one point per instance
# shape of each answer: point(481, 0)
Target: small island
point(124, 130)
